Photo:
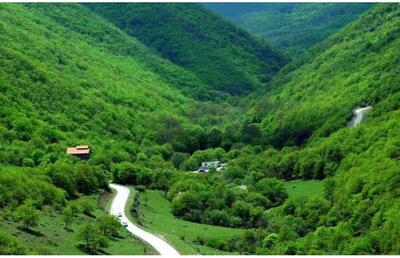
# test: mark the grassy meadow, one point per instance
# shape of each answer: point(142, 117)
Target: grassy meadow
point(156, 216)
point(304, 188)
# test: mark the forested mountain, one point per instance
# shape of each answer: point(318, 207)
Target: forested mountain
point(298, 179)
point(352, 68)
point(222, 55)
point(291, 27)
point(69, 77)
point(310, 106)
point(71, 80)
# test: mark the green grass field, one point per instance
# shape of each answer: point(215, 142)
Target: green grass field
point(301, 188)
point(156, 216)
point(50, 236)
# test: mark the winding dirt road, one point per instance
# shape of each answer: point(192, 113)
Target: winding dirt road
point(118, 207)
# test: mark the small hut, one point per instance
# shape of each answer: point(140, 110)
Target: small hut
point(80, 151)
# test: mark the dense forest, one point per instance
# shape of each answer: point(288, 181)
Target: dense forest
point(291, 27)
point(156, 95)
point(225, 57)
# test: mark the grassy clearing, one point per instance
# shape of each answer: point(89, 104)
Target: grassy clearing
point(301, 188)
point(50, 236)
point(156, 216)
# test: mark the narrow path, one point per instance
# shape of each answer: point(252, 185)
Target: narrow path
point(118, 207)
point(359, 115)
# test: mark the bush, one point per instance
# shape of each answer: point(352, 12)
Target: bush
point(10, 246)
point(27, 214)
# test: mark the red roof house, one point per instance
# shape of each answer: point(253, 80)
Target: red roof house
point(80, 151)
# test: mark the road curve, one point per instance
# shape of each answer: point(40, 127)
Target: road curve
point(118, 206)
point(359, 115)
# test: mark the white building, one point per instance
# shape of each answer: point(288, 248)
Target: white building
point(207, 165)
point(210, 164)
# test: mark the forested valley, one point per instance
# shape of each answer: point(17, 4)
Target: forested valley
point(157, 89)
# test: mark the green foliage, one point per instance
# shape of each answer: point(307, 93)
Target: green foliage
point(316, 99)
point(50, 237)
point(18, 186)
point(27, 214)
point(156, 215)
point(106, 89)
point(226, 58)
point(92, 237)
point(109, 225)
point(273, 190)
point(77, 178)
point(9, 245)
point(68, 214)
point(208, 199)
point(291, 27)
point(87, 205)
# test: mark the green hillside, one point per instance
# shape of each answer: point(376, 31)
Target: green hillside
point(298, 179)
point(77, 78)
point(353, 68)
point(291, 27)
point(223, 56)
point(304, 113)
point(311, 106)
point(69, 77)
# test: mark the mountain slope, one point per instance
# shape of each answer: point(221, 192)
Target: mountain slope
point(82, 79)
point(69, 77)
point(356, 67)
point(359, 167)
point(291, 27)
point(357, 214)
point(223, 56)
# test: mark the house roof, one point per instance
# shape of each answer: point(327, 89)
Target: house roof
point(83, 149)
point(210, 162)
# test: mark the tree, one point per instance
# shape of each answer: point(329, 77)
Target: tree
point(270, 240)
point(68, 214)
point(87, 179)
point(27, 214)
point(241, 209)
point(87, 206)
point(109, 225)
point(125, 173)
point(214, 137)
point(62, 175)
point(185, 202)
point(91, 234)
point(250, 133)
point(218, 217)
point(178, 158)
point(273, 190)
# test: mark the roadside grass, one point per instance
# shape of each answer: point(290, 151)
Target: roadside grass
point(50, 237)
point(105, 199)
point(156, 216)
point(304, 188)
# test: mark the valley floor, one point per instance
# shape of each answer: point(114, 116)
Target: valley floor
point(118, 209)
point(156, 216)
